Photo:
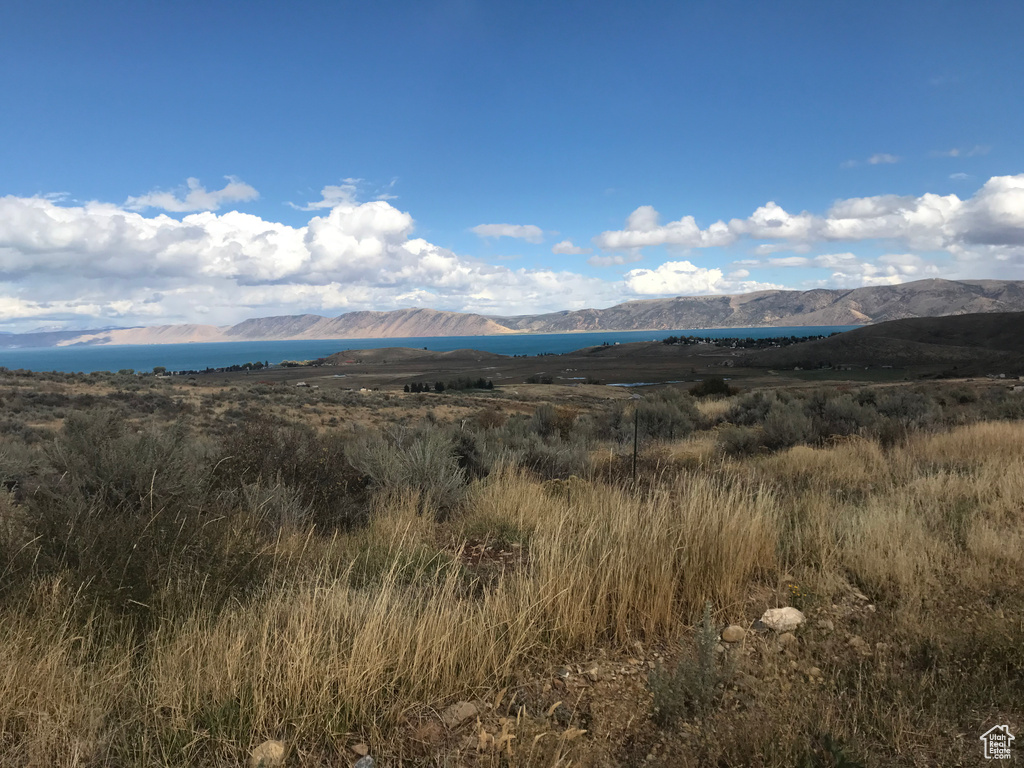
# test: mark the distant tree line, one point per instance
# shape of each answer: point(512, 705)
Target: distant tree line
point(456, 384)
point(743, 343)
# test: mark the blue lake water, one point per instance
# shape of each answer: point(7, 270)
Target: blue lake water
point(179, 357)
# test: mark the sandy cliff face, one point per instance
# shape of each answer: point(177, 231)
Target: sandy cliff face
point(157, 334)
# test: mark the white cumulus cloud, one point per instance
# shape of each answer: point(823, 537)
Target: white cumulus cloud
point(643, 229)
point(994, 216)
point(566, 248)
point(528, 232)
point(685, 278)
point(195, 197)
point(883, 158)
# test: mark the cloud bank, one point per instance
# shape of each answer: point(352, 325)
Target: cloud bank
point(106, 261)
point(100, 263)
point(994, 216)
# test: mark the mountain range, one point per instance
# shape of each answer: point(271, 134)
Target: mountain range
point(820, 306)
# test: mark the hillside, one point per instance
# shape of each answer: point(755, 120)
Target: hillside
point(977, 343)
point(859, 306)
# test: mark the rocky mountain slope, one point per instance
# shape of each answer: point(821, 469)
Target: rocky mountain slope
point(859, 306)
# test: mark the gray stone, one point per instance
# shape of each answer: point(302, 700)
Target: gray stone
point(788, 640)
point(364, 762)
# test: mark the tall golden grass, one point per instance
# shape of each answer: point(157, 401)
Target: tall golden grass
point(321, 654)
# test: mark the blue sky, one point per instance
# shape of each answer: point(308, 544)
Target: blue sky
point(496, 157)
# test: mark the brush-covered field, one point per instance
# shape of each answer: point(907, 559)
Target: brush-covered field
point(189, 570)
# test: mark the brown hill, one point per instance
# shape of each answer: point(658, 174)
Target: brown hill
point(975, 343)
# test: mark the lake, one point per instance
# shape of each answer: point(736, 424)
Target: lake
point(179, 357)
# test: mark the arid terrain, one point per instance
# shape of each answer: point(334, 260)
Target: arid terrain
point(197, 567)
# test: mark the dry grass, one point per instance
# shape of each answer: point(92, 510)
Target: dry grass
point(358, 633)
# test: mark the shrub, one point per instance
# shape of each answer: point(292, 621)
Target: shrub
point(667, 414)
point(315, 466)
point(838, 415)
point(127, 517)
point(692, 687)
point(749, 410)
point(786, 425)
point(739, 441)
point(424, 462)
point(556, 459)
point(713, 387)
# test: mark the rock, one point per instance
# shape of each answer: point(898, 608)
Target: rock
point(364, 762)
point(826, 625)
point(788, 640)
point(269, 754)
point(719, 648)
point(361, 749)
point(459, 713)
point(429, 735)
point(782, 619)
point(814, 672)
point(564, 673)
point(593, 674)
point(733, 634)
